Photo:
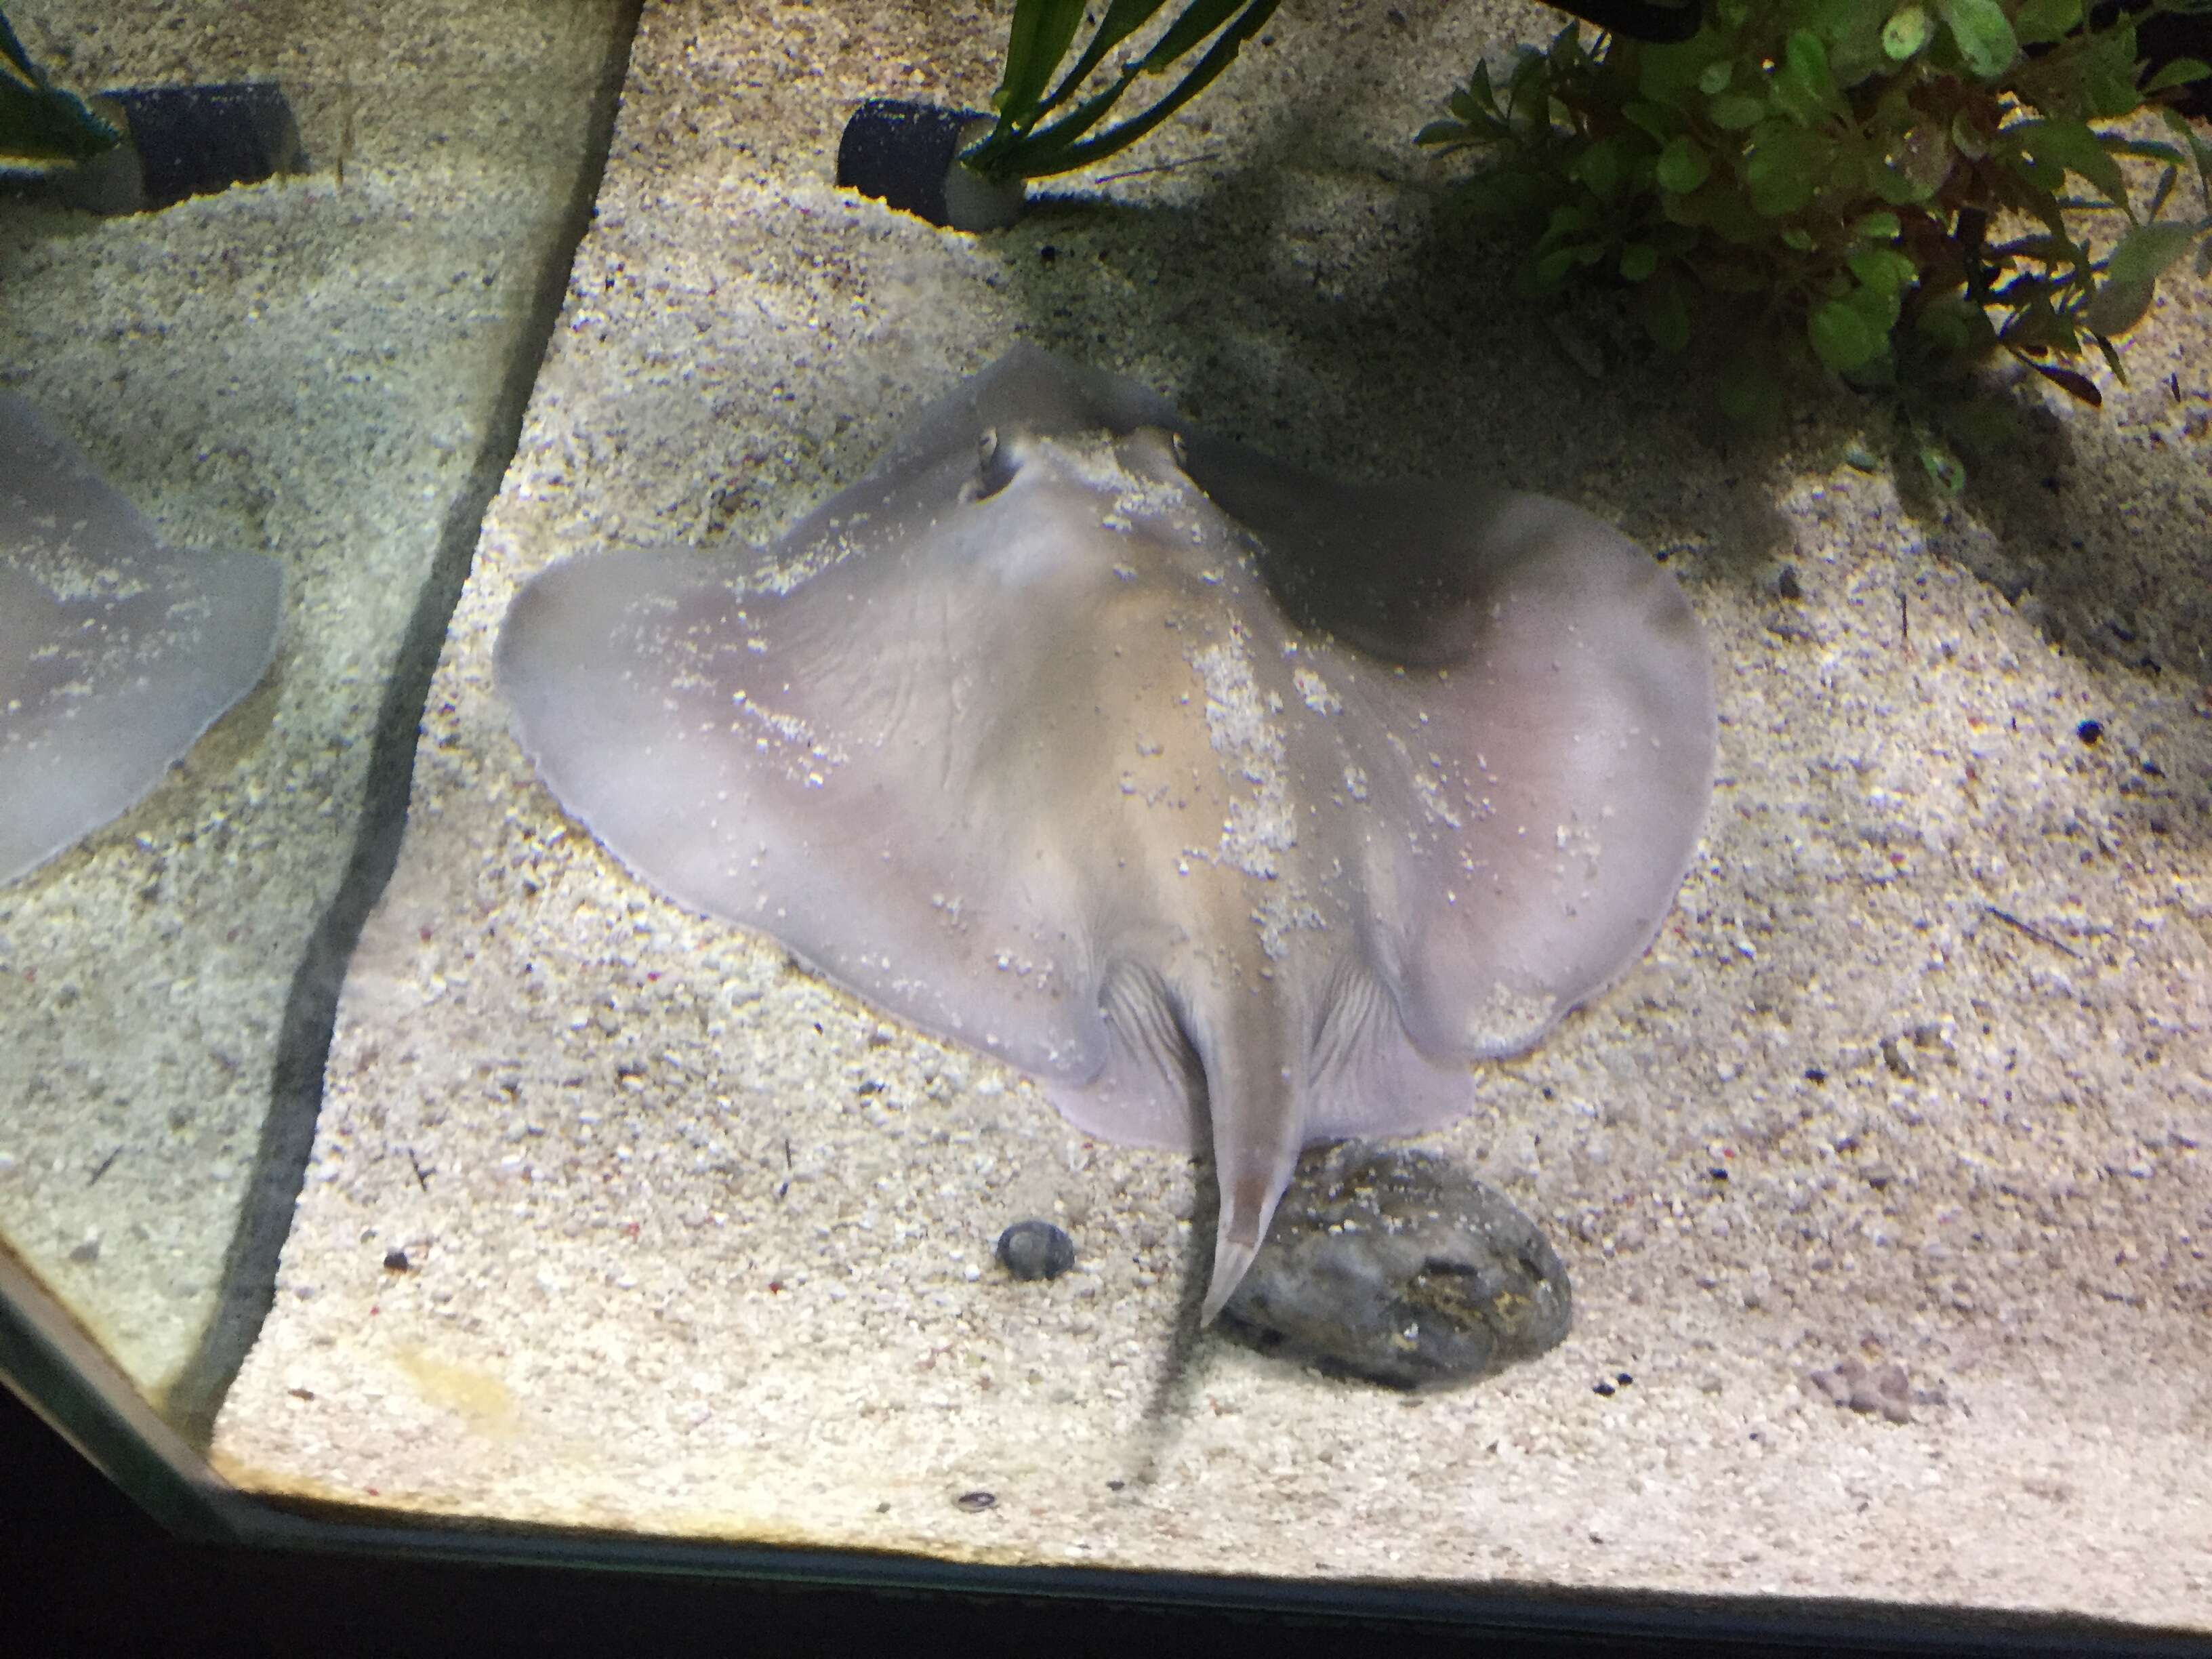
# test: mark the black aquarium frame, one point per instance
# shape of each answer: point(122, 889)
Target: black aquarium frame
point(116, 1535)
point(206, 1560)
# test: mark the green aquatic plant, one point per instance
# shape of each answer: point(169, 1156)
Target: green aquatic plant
point(41, 126)
point(1023, 143)
point(1882, 187)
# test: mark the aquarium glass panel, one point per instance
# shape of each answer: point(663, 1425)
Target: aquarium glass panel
point(1397, 793)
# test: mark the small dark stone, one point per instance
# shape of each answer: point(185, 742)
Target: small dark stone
point(974, 1502)
point(395, 1261)
point(1393, 1267)
point(1623, 1378)
point(2089, 730)
point(1035, 1249)
point(1603, 1387)
point(1814, 1074)
point(1786, 584)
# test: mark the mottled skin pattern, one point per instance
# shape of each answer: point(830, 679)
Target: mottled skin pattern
point(1240, 808)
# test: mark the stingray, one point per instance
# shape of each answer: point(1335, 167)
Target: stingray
point(116, 651)
point(1240, 808)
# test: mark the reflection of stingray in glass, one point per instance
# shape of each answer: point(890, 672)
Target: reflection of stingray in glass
point(116, 652)
point(1230, 802)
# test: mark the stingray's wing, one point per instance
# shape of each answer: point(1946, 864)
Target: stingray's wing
point(116, 652)
point(1533, 770)
point(1560, 770)
point(888, 745)
point(806, 763)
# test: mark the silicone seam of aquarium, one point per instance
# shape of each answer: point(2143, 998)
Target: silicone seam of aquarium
point(249, 1270)
point(62, 1375)
point(65, 1376)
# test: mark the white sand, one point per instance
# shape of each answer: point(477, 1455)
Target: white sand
point(697, 1246)
point(299, 368)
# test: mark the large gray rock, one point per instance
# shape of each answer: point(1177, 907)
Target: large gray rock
point(1392, 1266)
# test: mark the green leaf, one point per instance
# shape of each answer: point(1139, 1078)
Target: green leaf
point(2178, 123)
point(1842, 337)
point(1878, 228)
point(1660, 124)
point(1549, 271)
point(1036, 42)
point(2046, 20)
point(2074, 146)
point(1919, 160)
point(1798, 238)
point(1984, 35)
point(1060, 147)
point(2180, 72)
point(1967, 137)
point(1637, 261)
point(1123, 19)
point(1941, 467)
point(2106, 69)
point(1883, 271)
point(1736, 110)
point(1668, 76)
point(1955, 324)
point(2044, 178)
point(1528, 93)
point(1598, 170)
point(1804, 86)
point(41, 126)
point(1479, 88)
point(1717, 75)
point(1683, 167)
point(1567, 220)
point(1778, 171)
point(1907, 32)
point(2118, 306)
point(1749, 394)
point(2146, 250)
point(1199, 19)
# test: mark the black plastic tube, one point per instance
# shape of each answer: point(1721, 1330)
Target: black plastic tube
point(195, 141)
point(179, 142)
point(906, 155)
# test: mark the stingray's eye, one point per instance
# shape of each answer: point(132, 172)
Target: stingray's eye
point(1181, 455)
point(997, 460)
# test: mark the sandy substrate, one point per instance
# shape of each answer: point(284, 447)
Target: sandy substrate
point(616, 1219)
point(309, 368)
